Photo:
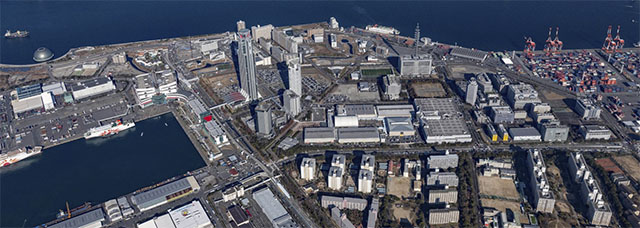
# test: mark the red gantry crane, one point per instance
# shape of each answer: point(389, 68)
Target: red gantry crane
point(529, 47)
point(607, 45)
point(557, 43)
point(619, 43)
point(548, 47)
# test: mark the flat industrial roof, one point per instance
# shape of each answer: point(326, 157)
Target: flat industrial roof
point(81, 220)
point(270, 206)
point(319, 132)
point(436, 106)
point(358, 132)
point(190, 215)
point(523, 131)
point(446, 127)
point(88, 83)
point(469, 53)
point(162, 191)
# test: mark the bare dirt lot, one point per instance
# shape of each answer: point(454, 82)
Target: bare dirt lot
point(428, 89)
point(502, 205)
point(496, 186)
point(351, 91)
point(399, 186)
point(630, 165)
point(403, 213)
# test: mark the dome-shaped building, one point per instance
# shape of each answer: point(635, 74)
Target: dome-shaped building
point(42, 54)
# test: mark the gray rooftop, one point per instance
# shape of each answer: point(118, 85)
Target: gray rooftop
point(319, 132)
point(161, 191)
point(523, 131)
point(357, 132)
point(81, 220)
point(88, 83)
point(270, 206)
point(469, 53)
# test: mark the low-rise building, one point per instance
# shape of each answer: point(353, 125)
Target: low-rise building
point(524, 134)
point(587, 109)
point(385, 111)
point(442, 179)
point(472, 54)
point(165, 193)
point(591, 132)
point(358, 135)
point(399, 126)
point(372, 215)
point(519, 95)
point(91, 87)
point(273, 209)
point(343, 202)
point(446, 196)
point(442, 161)
point(443, 216)
point(392, 87)
point(319, 135)
point(345, 121)
point(91, 219)
point(362, 111)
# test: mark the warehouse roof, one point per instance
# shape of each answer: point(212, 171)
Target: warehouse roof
point(395, 110)
point(523, 131)
point(445, 127)
point(89, 83)
point(358, 132)
point(270, 206)
point(161, 191)
point(196, 106)
point(190, 215)
point(469, 53)
point(436, 107)
point(81, 220)
point(399, 124)
point(319, 132)
point(355, 109)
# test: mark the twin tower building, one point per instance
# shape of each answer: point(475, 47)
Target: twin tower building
point(248, 82)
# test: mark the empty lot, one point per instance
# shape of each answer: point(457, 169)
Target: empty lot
point(496, 186)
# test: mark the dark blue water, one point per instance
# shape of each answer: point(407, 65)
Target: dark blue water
point(488, 25)
point(94, 171)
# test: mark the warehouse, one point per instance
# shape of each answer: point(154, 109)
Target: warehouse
point(47, 101)
point(26, 104)
point(358, 135)
point(90, 219)
point(319, 135)
point(191, 215)
point(92, 87)
point(590, 132)
point(469, 53)
point(362, 111)
point(443, 196)
point(554, 131)
point(345, 121)
point(399, 126)
point(276, 213)
point(524, 134)
point(395, 111)
point(56, 88)
point(165, 193)
point(446, 131)
point(443, 216)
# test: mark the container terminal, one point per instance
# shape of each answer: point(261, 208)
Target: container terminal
point(338, 81)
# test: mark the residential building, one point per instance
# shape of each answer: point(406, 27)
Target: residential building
point(295, 76)
point(339, 161)
point(247, 66)
point(334, 178)
point(542, 198)
point(442, 178)
point(308, 169)
point(365, 181)
point(442, 161)
point(446, 196)
point(291, 103)
point(261, 32)
point(598, 211)
point(343, 202)
point(368, 162)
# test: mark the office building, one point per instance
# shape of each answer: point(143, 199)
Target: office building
point(500, 82)
point(542, 197)
point(524, 134)
point(446, 196)
point(334, 178)
point(598, 211)
point(291, 103)
point(313, 135)
point(520, 95)
point(442, 161)
point(308, 169)
point(263, 119)
point(595, 132)
point(247, 66)
point(155, 88)
point(443, 216)
point(587, 109)
point(471, 94)
point(368, 162)
point(415, 65)
point(553, 131)
point(399, 126)
point(365, 181)
point(392, 87)
point(240, 25)
point(484, 83)
point(501, 114)
point(343, 202)
point(295, 76)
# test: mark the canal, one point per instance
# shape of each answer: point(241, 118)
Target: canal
point(96, 170)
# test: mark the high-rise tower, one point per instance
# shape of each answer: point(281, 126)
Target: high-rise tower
point(247, 65)
point(295, 76)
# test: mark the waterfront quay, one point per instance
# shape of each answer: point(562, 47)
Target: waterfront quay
point(319, 93)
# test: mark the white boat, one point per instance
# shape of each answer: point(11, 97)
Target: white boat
point(12, 157)
point(637, 44)
point(108, 130)
point(382, 29)
point(141, 134)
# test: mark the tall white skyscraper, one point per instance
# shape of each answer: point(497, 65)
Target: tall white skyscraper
point(291, 103)
point(247, 65)
point(472, 92)
point(295, 76)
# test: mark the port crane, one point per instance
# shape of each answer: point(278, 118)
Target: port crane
point(549, 44)
point(608, 44)
point(529, 47)
point(557, 43)
point(619, 43)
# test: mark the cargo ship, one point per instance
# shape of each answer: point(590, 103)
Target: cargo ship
point(18, 155)
point(107, 130)
point(16, 34)
point(382, 29)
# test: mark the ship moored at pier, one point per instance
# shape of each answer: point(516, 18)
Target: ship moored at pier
point(18, 155)
point(382, 29)
point(107, 130)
